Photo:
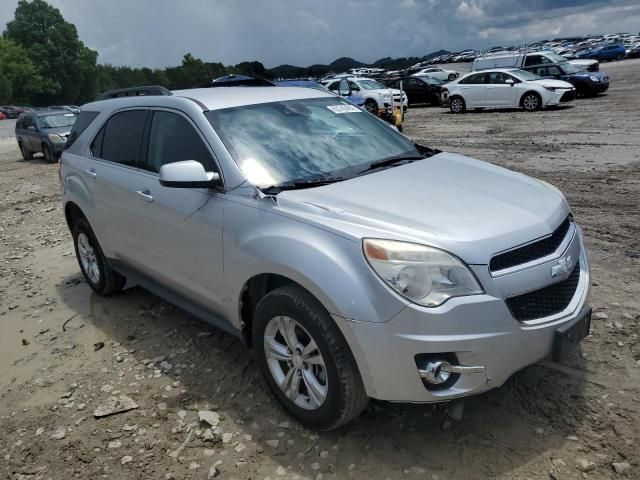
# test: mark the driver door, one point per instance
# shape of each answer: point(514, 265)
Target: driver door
point(500, 93)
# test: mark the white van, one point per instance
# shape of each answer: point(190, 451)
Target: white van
point(522, 60)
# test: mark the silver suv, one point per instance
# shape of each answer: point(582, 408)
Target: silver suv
point(355, 263)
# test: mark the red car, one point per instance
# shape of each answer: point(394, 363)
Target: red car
point(2, 116)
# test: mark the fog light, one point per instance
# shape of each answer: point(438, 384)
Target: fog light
point(436, 372)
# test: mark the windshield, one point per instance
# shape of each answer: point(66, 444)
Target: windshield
point(524, 75)
point(431, 80)
point(555, 57)
point(296, 140)
point(371, 85)
point(568, 68)
point(57, 120)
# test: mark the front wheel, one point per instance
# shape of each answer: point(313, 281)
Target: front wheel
point(457, 105)
point(531, 102)
point(305, 360)
point(452, 76)
point(371, 106)
point(48, 154)
point(26, 154)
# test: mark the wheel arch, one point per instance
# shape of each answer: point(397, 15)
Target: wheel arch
point(72, 212)
point(527, 92)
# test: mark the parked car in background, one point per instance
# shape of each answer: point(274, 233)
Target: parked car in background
point(587, 84)
point(604, 52)
point(634, 51)
point(2, 116)
point(422, 89)
point(437, 72)
point(523, 60)
point(9, 112)
point(353, 261)
point(377, 97)
point(505, 88)
point(44, 131)
point(70, 108)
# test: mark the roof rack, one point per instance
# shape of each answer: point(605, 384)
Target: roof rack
point(154, 90)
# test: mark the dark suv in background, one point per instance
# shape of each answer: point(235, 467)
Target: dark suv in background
point(588, 84)
point(44, 131)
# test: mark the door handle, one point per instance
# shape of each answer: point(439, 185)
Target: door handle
point(91, 172)
point(146, 194)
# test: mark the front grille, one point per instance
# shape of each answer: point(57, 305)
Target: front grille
point(532, 251)
point(546, 301)
point(568, 96)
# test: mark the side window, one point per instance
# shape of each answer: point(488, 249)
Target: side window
point(553, 71)
point(476, 79)
point(82, 122)
point(333, 86)
point(414, 83)
point(533, 60)
point(497, 78)
point(27, 121)
point(173, 139)
point(353, 86)
point(120, 138)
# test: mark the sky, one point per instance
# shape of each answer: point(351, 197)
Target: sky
point(157, 33)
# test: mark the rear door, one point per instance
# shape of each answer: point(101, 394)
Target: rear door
point(499, 93)
point(181, 245)
point(116, 175)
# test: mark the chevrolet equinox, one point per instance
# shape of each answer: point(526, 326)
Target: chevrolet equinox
point(354, 262)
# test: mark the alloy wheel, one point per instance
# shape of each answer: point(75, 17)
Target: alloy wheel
point(456, 105)
point(295, 362)
point(530, 102)
point(88, 258)
point(371, 107)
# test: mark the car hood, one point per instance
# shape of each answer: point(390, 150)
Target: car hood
point(548, 82)
point(63, 131)
point(585, 75)
point(468, 207)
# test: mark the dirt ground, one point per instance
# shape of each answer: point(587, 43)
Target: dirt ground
point(569, 421)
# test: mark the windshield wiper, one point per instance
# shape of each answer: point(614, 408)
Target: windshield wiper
point(389, 161)
point(299, 184)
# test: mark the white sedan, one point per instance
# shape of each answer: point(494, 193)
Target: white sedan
point(439, 73)
point(505, 88)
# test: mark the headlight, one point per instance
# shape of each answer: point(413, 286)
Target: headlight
point(594, 78)
point(55, 138)
point(551, 89)
point(425, 275)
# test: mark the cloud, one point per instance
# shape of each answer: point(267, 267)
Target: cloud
point(157, 33)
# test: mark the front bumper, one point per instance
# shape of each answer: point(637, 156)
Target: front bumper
point(477, 331)
point(599, 87)
point(57, 148)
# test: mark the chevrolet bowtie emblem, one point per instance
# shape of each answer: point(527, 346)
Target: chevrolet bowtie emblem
point(563, 266)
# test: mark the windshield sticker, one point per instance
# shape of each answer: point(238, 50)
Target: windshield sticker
point(343, 108)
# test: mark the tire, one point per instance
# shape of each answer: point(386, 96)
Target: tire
point(371, 106)
point(457, 104)
point(48, 154)
point(338, 395)
point(531, 101)
point(93, 264)
point(452, 76)
point(26, 154)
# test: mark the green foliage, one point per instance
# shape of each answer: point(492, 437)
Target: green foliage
point(52, 45)
point(19, 79)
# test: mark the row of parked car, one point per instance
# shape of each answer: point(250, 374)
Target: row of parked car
point(614, 46)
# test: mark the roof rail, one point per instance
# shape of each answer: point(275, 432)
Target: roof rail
point(154, 90)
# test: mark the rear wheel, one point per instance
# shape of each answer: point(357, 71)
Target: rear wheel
point(48, 154)
point(94, 265)
point(26, 154)
point(531, 101)
point(452, 76)
point(305, 360)
point(457, 105)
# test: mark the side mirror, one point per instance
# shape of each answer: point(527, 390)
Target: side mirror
point(187, 174)
point(509, 81)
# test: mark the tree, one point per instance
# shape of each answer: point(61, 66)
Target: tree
point(52, 45)
point(19, 79)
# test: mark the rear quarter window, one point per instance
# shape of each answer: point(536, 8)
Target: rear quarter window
point(82, 122)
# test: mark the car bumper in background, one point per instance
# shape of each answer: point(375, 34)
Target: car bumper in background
point(478, 332)
point(599, 87)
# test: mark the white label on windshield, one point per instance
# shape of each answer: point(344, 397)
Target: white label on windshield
point(343, 108)
point(69, 115)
